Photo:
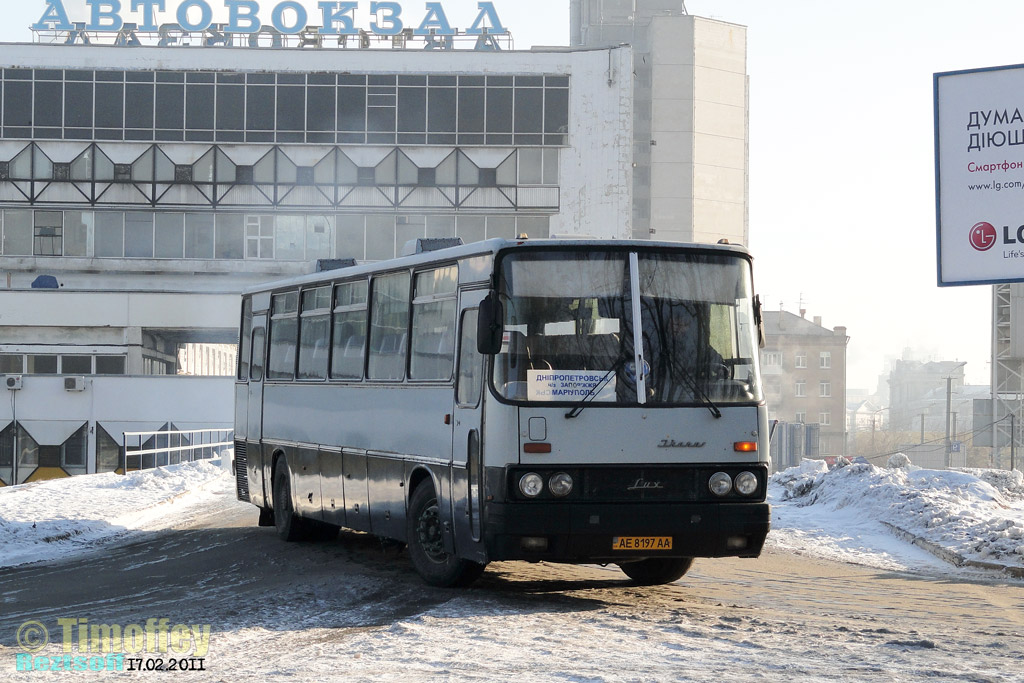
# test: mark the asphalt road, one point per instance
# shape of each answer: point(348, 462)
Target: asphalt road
point(223, 571)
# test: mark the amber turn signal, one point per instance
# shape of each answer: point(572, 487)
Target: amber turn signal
point(745, 446)
point(536, 448)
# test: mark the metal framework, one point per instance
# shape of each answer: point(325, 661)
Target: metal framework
point(331, 180)
point(1007, 370)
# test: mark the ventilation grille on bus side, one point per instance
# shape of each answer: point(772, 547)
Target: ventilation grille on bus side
point(241, 471)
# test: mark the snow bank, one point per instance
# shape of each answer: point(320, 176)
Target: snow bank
point(976, 514)
point(47, 520)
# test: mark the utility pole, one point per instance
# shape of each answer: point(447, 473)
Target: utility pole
point(1013, 441)
point(922, 427)
point(949, 401)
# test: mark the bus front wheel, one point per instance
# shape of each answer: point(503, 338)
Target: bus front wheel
point(426, 544)
point(656, 571)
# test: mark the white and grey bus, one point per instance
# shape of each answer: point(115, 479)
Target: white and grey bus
point(568, 401)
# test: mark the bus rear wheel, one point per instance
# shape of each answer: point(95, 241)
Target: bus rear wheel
point(426, 544)
point(656, 571)
point(290, 527)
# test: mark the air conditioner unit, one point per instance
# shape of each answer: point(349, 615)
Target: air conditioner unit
point(13, 382)
point(74, 384)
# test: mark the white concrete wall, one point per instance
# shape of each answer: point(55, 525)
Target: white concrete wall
point(596, 171)
point(56, 308)
point(51, 414)
point(699, 130)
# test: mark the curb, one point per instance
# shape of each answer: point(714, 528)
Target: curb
point(952, 557)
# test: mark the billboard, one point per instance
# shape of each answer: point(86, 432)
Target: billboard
point(979, 175)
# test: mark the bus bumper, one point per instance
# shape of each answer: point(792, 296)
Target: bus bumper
point(582, 532)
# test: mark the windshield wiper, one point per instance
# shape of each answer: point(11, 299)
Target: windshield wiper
point(691, 382)
point(596, 389)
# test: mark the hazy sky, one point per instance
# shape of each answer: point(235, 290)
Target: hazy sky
point(842, 192)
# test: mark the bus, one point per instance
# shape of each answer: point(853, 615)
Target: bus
point(572, 401)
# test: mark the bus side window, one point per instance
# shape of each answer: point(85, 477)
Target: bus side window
point(349, 323)
point(389, 325)
point(284, 330)
point(259, 338)
point(244, 341)
point(470, 375)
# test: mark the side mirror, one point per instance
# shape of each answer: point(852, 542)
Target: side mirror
point(759, 321)
point(489, 325)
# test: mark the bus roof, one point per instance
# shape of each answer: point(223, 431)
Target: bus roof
point(491, 246)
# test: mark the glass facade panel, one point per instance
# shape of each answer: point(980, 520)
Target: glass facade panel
point(199, 235)
point(77, 231)
point(138, 234)
point(230, 239)
point(170, 235)
point(285, 107)
point(290, 238)
point(76, 365)
point(109, 234)
point(17, 232)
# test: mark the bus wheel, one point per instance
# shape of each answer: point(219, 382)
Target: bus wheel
point(290, 527)
point(426, 544)
point(656, 571)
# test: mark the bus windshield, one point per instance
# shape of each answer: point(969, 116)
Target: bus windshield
point(569, 328)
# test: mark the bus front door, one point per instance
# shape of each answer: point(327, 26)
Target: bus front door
point(467, 447)
point(254, 422)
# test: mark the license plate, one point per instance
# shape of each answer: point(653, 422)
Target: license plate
point(642, 543)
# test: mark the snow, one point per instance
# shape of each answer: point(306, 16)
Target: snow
point(51, 519)
point(855, 513)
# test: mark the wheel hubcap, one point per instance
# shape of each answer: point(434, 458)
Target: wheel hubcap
point(428, 530)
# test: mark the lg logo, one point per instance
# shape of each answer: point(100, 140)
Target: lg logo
point(983, 236)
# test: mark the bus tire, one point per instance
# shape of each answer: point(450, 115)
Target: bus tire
point(656, 571)
point(290, 527)
point(426, 544)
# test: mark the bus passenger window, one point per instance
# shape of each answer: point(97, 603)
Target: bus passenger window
point(389, 325)
point(433, 324)
point(314, 333)
point(284, 329)
point(349, 324)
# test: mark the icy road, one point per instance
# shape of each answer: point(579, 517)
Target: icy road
point(867, 607)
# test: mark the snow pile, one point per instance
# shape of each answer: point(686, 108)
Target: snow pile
point(47, 520)
point(979, 516)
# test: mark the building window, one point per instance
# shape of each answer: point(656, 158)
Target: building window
point(800, 360)
point(48, 235)
point(42, 364)
point(110, 365)
point(825, 419)
point(825, 360)
point(259, 237)
point(773, 359)
point(801, 389)
point(801, 417)
point(825, 389)
point(76, 365)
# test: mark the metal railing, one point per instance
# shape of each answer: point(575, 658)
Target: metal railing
point(161, 448)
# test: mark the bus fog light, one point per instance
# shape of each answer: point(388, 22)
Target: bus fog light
point(560, 484)
point(720, 483)
point(736, 542)
point(531, 485)
point(534, 543)
point(746, 483)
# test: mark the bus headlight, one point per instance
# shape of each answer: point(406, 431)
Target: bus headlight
point(720, 483)
point(746, 483)
point(560, 484)
point(531, 484)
